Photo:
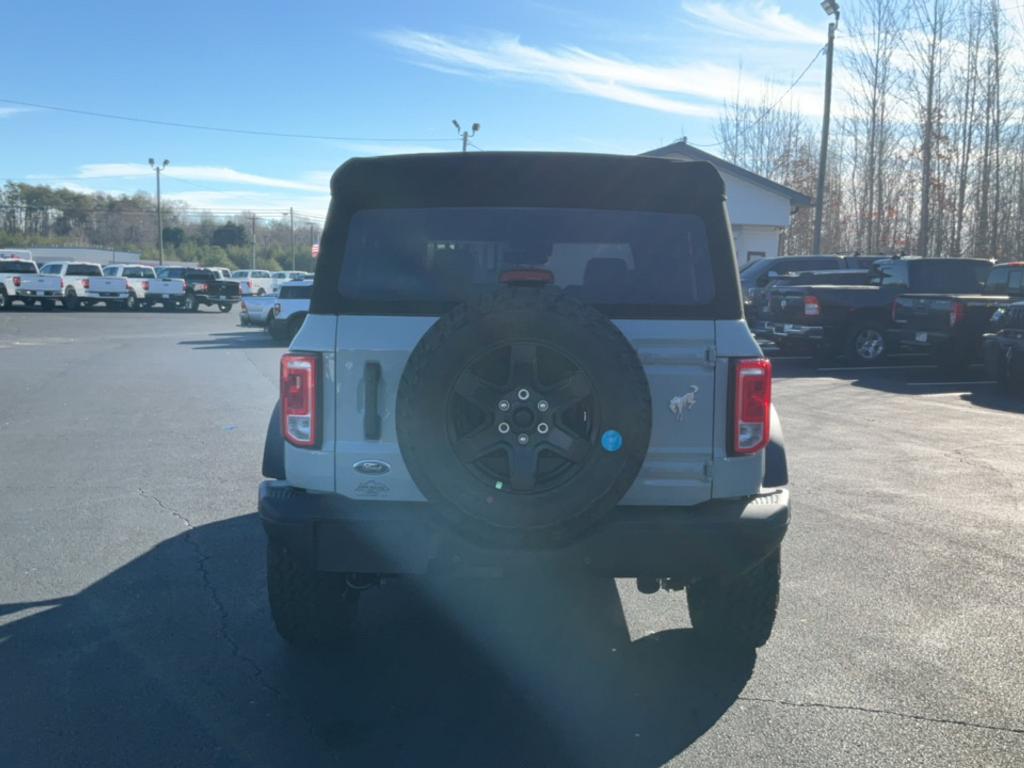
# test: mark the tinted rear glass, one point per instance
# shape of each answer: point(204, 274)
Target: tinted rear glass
point(296, 291)
point(137, 272)
point(610, 258)
point(953, 275)
point(18, 267)
point(199, 274)
point(86, 270)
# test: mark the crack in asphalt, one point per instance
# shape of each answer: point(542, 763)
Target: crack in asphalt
point(222, 611)
point(878, 711)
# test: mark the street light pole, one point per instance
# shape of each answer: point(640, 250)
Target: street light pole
point(159, 212)
point(466, 135)
point(832, 8)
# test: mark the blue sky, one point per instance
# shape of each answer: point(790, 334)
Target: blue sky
point(537, 74)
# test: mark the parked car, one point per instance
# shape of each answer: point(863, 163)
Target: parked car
point(280, 278)
point(203, 289)
point(756, 305)
point(220, 272)
point(950, 325)
point(757, 274)
point(145, 288)
point(256, 310)
point(20, 281)
point(83, 285)
point(1003, 347)
point(855, 320)
point(290, 309)
point(254, 282)
point(512, 371)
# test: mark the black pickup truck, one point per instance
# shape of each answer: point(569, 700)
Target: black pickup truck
point(204, 288)
point(950, 325)
point(855, 320)
point(1003, 347)
point(756, 301)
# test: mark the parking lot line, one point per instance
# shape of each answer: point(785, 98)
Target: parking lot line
point(866, 368)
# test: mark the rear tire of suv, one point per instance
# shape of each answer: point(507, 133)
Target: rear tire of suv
point(312, 610)
point(738, 612)
point(224, 306)
point(191, 304)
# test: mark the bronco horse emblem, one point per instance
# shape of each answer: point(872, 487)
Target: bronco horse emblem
point(680, 404)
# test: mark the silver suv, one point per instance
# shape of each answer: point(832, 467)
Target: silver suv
point(522, 361)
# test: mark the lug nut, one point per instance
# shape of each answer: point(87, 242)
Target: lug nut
point(542, 428)
point(504, 428)
point(542, 406)
point(524, 439)
point(504, 405)
point(523, 394)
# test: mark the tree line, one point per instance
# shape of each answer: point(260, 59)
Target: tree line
point(926, 155)
point(39, 215)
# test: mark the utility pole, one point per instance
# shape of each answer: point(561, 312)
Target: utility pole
point(159, 213)
point(254, 241)
point(466, 135)
point(291, 234)
point(832, 9)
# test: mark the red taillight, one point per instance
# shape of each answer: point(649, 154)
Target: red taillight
point(250, 284)
point(811, 306)
point(17, 281)
point(85, 283)
point(184, 285)
point(957, 313)
point(299, 377)
point(200, 287)
point(753, 406)
point(145, 285)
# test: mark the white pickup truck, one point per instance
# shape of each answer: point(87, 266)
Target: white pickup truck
point(280, 278)
point(256, 310)
point(20, 281)
point(290, 309)
point(145, 288)
point(83, 284)
point(253, 282)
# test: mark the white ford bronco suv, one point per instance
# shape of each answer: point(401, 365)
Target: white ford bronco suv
point(525, 361)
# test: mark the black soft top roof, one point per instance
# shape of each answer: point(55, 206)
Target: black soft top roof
point(534, 179)
point(526, 180)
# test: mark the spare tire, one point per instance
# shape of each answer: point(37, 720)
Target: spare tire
point(523, 416)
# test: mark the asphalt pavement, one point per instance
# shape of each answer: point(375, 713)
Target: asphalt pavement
point(134, 629)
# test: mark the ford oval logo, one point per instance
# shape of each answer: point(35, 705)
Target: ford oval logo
point(372, 467)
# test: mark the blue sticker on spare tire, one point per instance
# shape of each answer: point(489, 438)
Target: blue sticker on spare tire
point(611, 441)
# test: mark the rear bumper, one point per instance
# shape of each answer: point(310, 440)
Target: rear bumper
point(23, 293)
point(203, 298)
point(104, 295)
point(797, 331)
point(334, 533)
point(912, 338)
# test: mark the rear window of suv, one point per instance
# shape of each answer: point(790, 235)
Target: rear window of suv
point(627, 262)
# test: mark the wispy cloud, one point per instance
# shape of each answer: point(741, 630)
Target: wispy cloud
point(692, 89)
point(242, 200)
point(194, 173)
point(566, 68)
point(761, 22)
point(12, 111)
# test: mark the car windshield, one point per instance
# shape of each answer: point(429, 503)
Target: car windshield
point(18, 266)
point(443, 255)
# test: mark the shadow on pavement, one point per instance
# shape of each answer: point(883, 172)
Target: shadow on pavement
point(244, 337)
point(172, 660)
point(908, 375)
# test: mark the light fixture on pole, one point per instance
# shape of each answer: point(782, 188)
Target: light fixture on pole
point(466, 135)
point(159, 213)
point(831, 7)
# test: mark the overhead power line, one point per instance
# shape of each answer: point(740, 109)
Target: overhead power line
point(768, 110)
point(215, 128)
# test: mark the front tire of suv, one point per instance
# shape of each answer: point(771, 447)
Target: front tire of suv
point(312, 610)
point(738, 612)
